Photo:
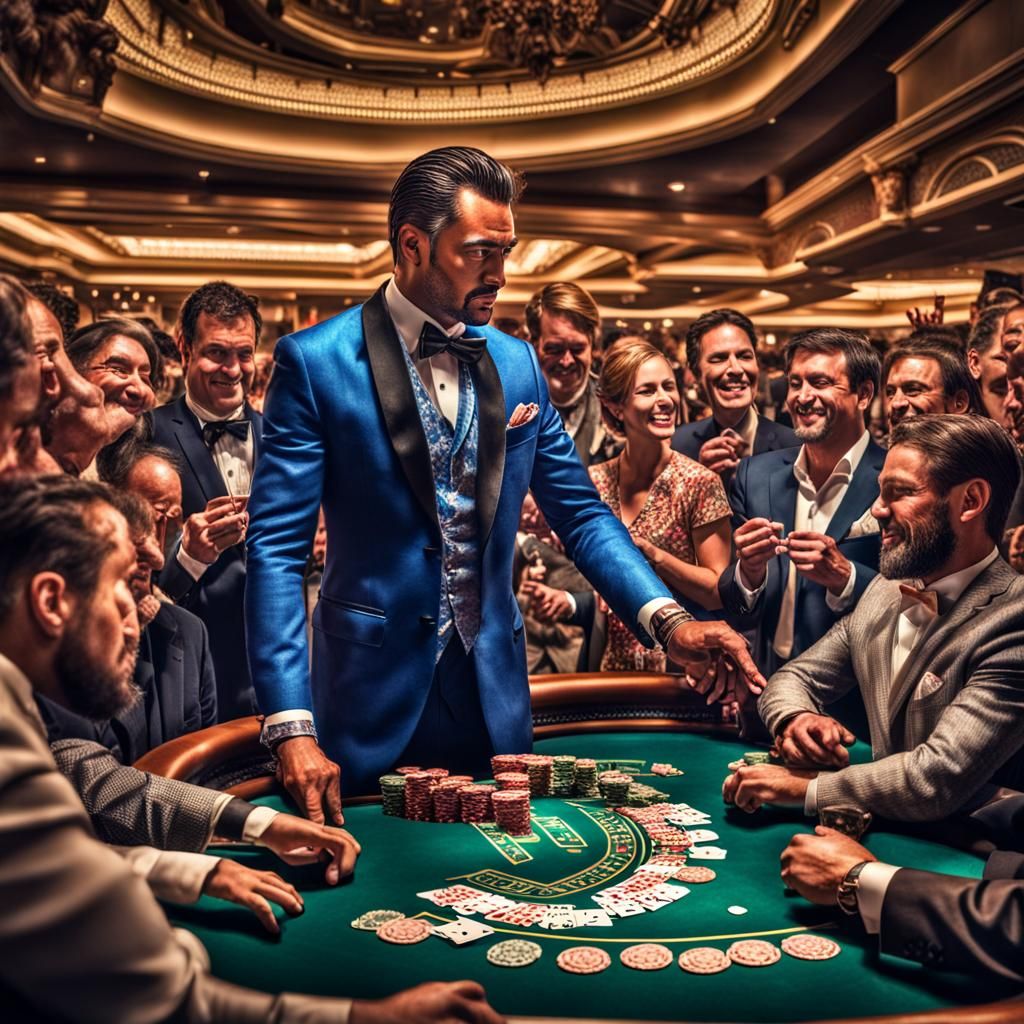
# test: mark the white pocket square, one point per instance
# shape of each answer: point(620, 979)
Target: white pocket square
point(522, 414)
point(863, 527)
point(928, 684)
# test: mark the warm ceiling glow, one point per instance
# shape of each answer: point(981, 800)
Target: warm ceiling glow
point(204, 175)
point(247, 251)
point(676, 186)
point(40, 159)
point(932, 229)
point(95, 293)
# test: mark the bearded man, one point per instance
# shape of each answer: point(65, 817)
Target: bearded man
point(935, 646)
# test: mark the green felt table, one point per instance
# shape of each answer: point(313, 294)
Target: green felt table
point(577, 848)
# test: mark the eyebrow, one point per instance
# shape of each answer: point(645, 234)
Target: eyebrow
point(487, 243)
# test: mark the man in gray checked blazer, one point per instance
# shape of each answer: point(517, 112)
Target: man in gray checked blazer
point(936, 645)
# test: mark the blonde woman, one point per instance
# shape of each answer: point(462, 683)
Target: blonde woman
point(675, 510)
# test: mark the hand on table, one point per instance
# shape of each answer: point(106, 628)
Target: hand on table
point(814, 865)
point(716, 659)
point(752, 785)
point(298, 841)
point(311, 778)
point(247, 887)
point(818, 558)
point(436, 1002)
point(722, 454)
point(810, 739)
point(757, 543)
point(547, 603)
point(221, 525)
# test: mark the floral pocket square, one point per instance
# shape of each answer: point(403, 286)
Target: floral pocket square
point(863, 527)
point(927, 685)
point(522, 414)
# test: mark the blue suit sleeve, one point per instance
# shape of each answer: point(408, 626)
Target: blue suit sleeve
point(594, 539)
point(283, 511)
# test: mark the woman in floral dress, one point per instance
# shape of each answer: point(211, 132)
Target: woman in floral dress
point(675, 510)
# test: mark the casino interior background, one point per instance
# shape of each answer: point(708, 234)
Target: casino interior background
point(804, 161)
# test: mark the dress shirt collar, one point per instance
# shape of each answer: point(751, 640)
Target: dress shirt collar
point(746, 428)
point(844, 468)
point(951, 587)
point(409, 319)
point(205, 416)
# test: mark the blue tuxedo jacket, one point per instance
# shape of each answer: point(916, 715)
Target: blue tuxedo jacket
point(764, 485)
point(175, 674)
point(218, 595)
point(769, 437)
point(341, 427)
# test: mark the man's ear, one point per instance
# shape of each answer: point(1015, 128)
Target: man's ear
point(49, 603)
point(865, 394)
point(961, 403)
point(183, 349)
point(977, 494)
point(413, 245)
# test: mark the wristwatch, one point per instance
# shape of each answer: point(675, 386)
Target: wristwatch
point(846, 894)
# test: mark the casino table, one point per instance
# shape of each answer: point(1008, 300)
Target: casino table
point(579, 846)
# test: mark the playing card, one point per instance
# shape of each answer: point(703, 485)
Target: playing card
point(588, 918)
point(703, 835)
point(707, 853)
point(670, 893)
point(462, 931)
point(650, 901)
point(558, 918)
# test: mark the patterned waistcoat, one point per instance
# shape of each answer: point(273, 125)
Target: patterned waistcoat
point(453, 455)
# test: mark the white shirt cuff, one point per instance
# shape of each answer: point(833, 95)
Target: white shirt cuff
point(844, 599)
point(191, 565)
point(295, 715)
point(572, 603)
point(257, 823)
point(749, 596)
point(646, 613)
point(811, 799)
point(174, 876)
point(873, 882)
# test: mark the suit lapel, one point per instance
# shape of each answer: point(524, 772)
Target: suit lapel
point(990, 584)
point(166, 646)
point(764, 436)
point(256, 421)
point(862, 491)
point(490, 462)
point(197, 455)
point(782, 488)
point(705, 429)
point(398, 403)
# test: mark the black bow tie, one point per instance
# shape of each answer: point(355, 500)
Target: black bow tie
point(433, 341)
point(214, 431)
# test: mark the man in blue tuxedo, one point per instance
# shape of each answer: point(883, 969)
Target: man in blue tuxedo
point(217, 436)
point(721, 351)
point(806, 543)
point(420, 434)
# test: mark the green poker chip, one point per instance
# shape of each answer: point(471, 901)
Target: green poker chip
point(513, 953)
point(373, 919)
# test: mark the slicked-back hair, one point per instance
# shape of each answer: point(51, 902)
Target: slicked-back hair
point(220, 301)
point(565, 299)
point(16, 347)
point(88, 340)
point(862, 362)
point(987, 328)
point(426, 194)
point(708, 322)
point(60, 304)
point(953, 369)
point(45, 527)
point(961, 448)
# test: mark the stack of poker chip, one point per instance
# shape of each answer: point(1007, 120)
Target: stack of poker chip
point(512, 811)
point(614, 787)
point(757, 757)
point(475, 803)
point(563, 775)
point(506, 763)
point(418, 802)
point(408, 770)
point(392, 794)
point(538, 768)
point(446, 797)
point(642, 795)
point(586, 777)
point(437, 774)
point(512, 780)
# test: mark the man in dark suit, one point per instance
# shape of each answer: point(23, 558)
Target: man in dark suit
point(218, 436)
point(944, 922)
point(806, 543)
point(721, 353)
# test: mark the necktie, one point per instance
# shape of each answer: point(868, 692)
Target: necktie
point(214, 431)
point(466, 348)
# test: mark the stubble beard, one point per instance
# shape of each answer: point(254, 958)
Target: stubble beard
point(93, 692)
point(925, 550)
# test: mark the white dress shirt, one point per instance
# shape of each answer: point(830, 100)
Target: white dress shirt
point(234, 460)
point(814, 510)
point(746, 428)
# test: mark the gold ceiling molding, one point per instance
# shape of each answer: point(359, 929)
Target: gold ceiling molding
point(166, 53)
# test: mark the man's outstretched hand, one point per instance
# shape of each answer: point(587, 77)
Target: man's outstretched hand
point(298, 841)
point(716, 659)
point(311, 778)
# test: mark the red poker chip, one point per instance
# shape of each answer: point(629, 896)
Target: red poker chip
point(405, 931)
point(419, 787)
point(754, 953)
point(647, 956)
point(808, 946)
point(584, 960)
point(704, 960)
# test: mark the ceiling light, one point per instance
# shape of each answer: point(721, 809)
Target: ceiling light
point(95, 293)
point(696, 289)
point(772, 120)
point(831, 270)
point(204, 175)
point(234, 229)
point(151, 298)
point(40, 159)
point(769, 338)
point(888, 276)
point(931, 229)
point(124, 305)
point(648, 325)
point(91, 137)
point(764, 293)
point(676, 186)
point(136, 296)
point(667, 322)
point(982, 227)
point(116, 296)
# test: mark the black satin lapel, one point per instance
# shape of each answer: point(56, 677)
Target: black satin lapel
point(398, 402)
point(490, 462)
point(198, 456)
point(256, 421)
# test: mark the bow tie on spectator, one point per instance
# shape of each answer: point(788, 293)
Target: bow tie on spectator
point(919, 598)
point(214, 431)
point(467, 348)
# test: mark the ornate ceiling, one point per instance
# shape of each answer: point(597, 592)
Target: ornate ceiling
point(808, 161)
